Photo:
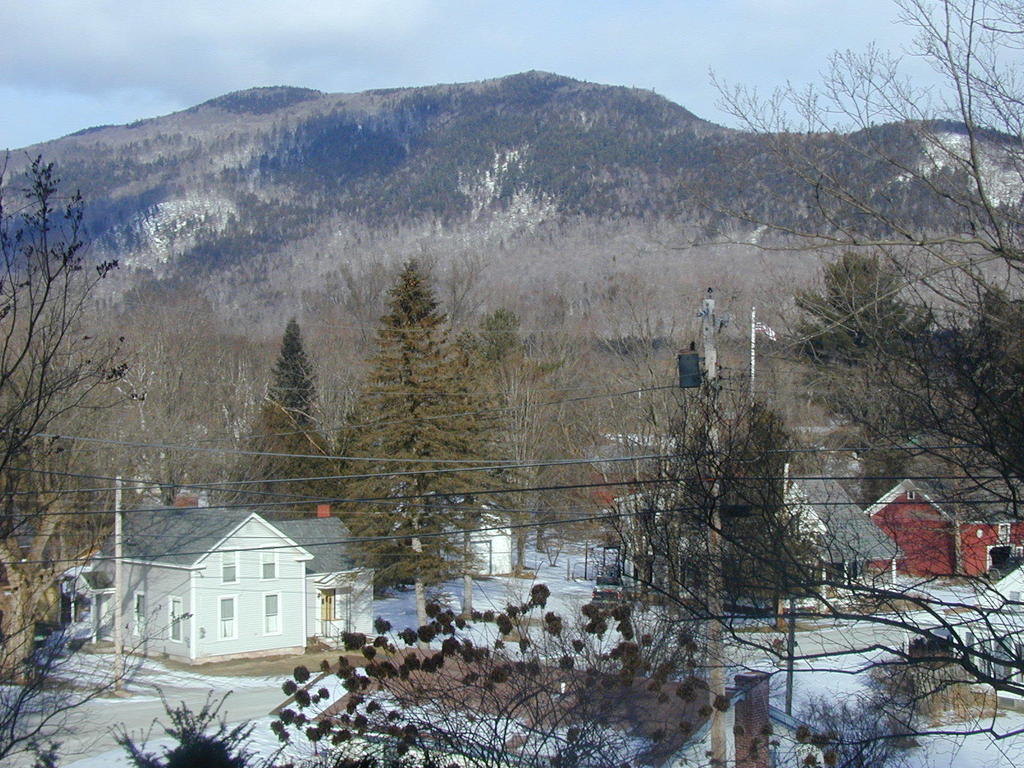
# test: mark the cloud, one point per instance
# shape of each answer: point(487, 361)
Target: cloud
point(186, 47)
point(172, 55)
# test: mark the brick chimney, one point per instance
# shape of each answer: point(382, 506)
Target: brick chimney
point(323, 510)
point(752, 729)
point(186, 500)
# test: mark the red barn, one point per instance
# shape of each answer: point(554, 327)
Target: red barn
point(940, 537)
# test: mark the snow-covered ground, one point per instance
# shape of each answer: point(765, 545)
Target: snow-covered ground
point(495, 593)
point(839, 677)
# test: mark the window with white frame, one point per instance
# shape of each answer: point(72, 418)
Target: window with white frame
point(268, 565)
point(174, 618)
point(228, 627)
point(271, 613)
point(229, 567)
point(1003, 533)
point(139, 613)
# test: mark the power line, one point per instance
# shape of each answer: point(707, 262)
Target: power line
point(474, 492)
point(238, 452)
point(398, 500)
point(487, 467)
point(398, 473)
point(494, 412)
point(215, 484)
point(354, 539)
point(391, 537)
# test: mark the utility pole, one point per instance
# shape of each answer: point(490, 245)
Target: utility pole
point(716, 662)
point(790, 654)
point(753, 349)
point(118, 589)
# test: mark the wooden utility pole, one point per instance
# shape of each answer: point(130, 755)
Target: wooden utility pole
point(790, 654)
point(715, 655)
point(118, 589)
point(753, 350)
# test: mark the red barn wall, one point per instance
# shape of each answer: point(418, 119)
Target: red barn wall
point(975, 548)
point(923, 535)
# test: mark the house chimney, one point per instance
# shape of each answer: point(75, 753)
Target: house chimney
point(323, 510)
point(752, 729)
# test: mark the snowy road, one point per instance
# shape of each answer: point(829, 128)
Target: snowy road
point(88, 736)
point(91, 728)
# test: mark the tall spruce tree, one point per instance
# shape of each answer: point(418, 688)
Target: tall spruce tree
point(417, 404)
point(292, 387)
point(285, 434)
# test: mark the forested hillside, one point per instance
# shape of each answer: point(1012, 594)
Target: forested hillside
point(289, 196)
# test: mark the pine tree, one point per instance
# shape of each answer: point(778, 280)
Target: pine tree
point(284, 431)
point(292, 387)
point(418, 404)
point(858, 308)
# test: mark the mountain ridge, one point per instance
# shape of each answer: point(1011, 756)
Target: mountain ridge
point(264, 182)
point(286, 156)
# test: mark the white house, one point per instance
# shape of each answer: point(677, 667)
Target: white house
point(491, 545)
point(212, 584)
point(999, 630)
point(850, 546)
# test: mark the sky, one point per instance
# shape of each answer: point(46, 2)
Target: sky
point(72, 64)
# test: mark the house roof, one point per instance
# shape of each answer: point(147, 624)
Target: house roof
point(98, 580)
point(849, 532)
point(974, 504)
point(183, 536)
point(178, 536)
point(322, 537)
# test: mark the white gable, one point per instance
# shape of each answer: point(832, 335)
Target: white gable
point(254, 533)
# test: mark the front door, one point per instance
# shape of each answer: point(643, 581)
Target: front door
point(326, 605)
point(327, 623)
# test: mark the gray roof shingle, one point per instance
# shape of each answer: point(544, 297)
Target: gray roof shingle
point(183, 536)
point(849, 533)
point(178, 536)
point(312, 534)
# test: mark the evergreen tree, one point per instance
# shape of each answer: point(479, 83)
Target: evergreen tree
point(514, 378)
point(419, 403)
point(756, 522)
point(858, 308)
point(292, 387)
point(284, 432)
point(499, 335)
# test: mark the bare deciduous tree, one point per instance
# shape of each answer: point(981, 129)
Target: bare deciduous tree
point(51, 371)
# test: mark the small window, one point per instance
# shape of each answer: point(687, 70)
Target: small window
point(911, 495)
point(174, 619)
point(271, 617)
point(139, 613)
point(227, 618)
point(268, 565)
point(229, 567)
